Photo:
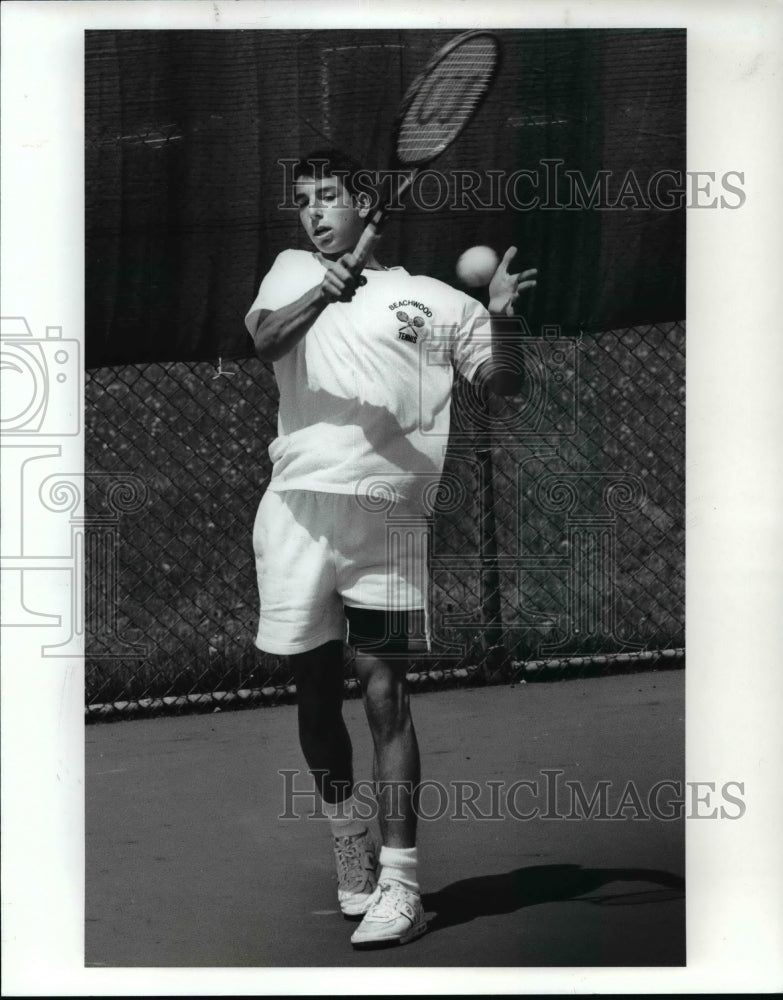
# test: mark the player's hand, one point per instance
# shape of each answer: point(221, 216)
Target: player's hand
point(342, 278)
point(506, 289)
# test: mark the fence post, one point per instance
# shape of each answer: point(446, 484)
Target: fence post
point(495, 655)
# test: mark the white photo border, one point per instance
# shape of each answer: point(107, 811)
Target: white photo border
point(734, 684)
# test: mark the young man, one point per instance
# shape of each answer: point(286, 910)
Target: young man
point(364, 361)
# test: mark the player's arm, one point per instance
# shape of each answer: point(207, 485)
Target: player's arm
point(280, 330)
point(504, 373)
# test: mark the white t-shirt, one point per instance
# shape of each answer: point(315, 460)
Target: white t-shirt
point(365, 395)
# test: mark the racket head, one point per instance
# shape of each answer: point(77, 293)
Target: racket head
point(444, 97)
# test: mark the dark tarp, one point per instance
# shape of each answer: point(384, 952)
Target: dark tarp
point(184, 130)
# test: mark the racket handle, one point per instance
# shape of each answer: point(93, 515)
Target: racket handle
point(368, 240)
point(372, 231)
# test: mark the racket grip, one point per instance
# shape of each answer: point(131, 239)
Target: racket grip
point(372, 231)
point(368, 240)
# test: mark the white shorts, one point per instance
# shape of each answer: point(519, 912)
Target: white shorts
point(317, 552)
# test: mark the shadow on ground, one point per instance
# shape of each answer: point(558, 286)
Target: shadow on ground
point(485, 895)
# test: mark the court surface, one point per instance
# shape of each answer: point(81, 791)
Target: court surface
point(187, 863)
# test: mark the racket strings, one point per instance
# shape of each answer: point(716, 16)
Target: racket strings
point(445, 100)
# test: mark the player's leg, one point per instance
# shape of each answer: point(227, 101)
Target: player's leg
point(326, 745)
point(302, 618)
point(396, 915)
point(381, 573)
point(396, 765)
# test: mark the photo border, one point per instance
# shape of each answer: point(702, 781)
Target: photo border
point(733, 682)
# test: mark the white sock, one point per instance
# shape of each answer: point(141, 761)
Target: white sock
point(400, 864)
point(342, 819)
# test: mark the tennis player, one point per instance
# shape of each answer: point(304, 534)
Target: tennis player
point(365, 362)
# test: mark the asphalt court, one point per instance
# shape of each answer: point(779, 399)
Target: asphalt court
point(188, 864)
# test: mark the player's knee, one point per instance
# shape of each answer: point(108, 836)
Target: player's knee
point(386, 702)
point(318, 675)
point(319, 717)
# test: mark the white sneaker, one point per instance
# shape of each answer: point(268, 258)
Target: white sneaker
point(356, 859)
point(395, 916)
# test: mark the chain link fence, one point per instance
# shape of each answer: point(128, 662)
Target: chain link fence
point(557, 542)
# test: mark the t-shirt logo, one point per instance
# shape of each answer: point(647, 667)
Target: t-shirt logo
point(409, 332)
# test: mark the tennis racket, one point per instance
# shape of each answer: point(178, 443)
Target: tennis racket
point(437, 107)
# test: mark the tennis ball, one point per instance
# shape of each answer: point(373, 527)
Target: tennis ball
point(476, 266)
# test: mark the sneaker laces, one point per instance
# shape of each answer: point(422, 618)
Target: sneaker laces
point(350, 870)
point(391, 897)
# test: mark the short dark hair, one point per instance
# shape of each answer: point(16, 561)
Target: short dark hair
point(329, 162)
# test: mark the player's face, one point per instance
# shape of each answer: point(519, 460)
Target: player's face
point(330, 216)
